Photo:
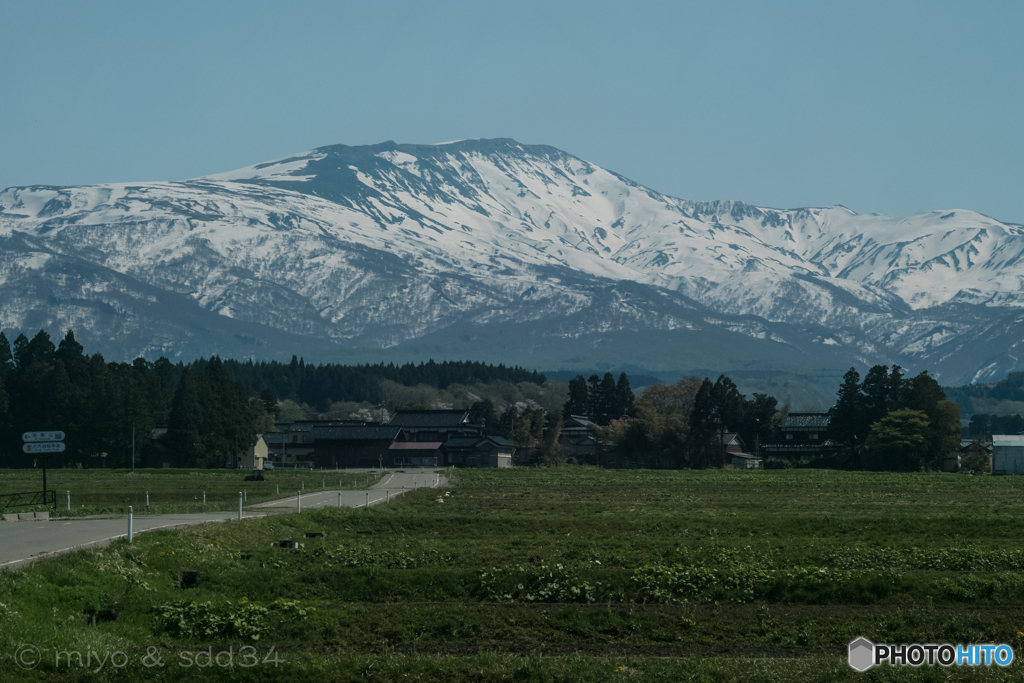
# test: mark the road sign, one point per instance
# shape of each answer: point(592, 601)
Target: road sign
point(45, 447)
point(29, 437)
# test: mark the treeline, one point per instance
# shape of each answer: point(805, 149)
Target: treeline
point(983, 426)
point(321, 385)
point(600, 400)
point(109, 410)
point(212, 408)
point(1011, 388)
point(891, 422)
point(683, 425)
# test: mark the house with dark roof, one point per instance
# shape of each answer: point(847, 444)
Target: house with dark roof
point(479, 451)
point(801, 436)
point(436, 425)
point(732, 442)
point(291, 444)
point(578, 439)
point(354, 445)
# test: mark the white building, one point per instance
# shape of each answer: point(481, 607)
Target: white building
point(1007, 454)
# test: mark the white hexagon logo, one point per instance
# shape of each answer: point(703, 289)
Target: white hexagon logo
point(862, 654)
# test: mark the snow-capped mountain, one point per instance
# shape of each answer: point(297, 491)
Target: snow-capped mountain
point(507, 252)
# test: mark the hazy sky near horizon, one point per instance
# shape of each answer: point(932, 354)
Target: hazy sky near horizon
point(887, 107)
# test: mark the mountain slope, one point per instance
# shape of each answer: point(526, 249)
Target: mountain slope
point(357, 249)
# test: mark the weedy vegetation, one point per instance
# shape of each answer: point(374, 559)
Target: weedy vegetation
point(560, 574)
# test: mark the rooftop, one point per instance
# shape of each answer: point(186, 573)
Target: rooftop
point(819, 420)
point(353, 433)
point(430, 418)
point(471, 441)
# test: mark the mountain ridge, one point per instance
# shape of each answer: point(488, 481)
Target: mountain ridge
point(360, 249)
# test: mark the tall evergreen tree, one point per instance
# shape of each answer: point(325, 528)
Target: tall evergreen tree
point(593, 396)
point(185, 431)
point(876, 396)
point(71, 354)
point(41, 349)
point(846, 417)
point(604, 408)
point(898, 390)
point(728, 408)
point(20, 351)
point(578, 403)
point(624, 399)
point(702, 440)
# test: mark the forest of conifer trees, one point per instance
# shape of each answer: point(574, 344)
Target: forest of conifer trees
point(212, 408)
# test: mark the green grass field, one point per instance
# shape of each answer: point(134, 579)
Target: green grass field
point(101, 491)
point(567, 574)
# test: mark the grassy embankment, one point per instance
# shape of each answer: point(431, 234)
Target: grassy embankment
point(570, 574)
point(101, 491)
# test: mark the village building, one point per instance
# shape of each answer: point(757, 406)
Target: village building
point(1007, 454)
point(413, 438)
point(291, 445)
point(354, 446)
point(415, 454)
point(735, 454)
point(578, 439)
point(479, 451)
point(255, 456)
point(435, 425)
point(800, 437)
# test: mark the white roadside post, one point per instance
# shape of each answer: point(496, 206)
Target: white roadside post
point(245, 493)
point(129, 523)
point(239, 505)
point(389, 496)
point(204, 497)
point(403, 489)
point(69, 501)
point(339, 498)
point(147, 498)
point(367, 499)
point(298, 501)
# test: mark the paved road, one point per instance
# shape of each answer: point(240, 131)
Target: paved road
point(23, 542)
point(391, 484)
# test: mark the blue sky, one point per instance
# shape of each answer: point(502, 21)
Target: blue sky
point(888, 107)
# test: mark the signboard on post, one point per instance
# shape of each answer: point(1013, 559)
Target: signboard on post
point(47, 447)
point(44, 443)
point(29, 437)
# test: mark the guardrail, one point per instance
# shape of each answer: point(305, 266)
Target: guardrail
point(15, 500)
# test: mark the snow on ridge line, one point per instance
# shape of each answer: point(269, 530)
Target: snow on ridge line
point(645, 247)
point(278, 169)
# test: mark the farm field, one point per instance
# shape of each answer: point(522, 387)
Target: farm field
point(102, 491)
point(564, 574)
